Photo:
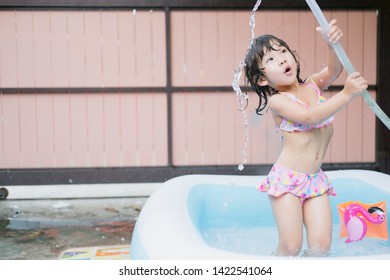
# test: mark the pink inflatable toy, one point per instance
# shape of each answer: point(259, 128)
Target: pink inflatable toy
point(356, 225)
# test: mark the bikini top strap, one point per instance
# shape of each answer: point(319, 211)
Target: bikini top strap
point(315, 88)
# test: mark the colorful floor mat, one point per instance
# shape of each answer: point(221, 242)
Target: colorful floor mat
point(114, 252)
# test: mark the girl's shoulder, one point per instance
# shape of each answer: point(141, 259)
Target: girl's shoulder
point(283, 95)
point(281, 99)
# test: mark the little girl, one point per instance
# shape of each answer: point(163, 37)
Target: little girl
point(297, 187)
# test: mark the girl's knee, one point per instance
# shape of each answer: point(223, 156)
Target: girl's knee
point(289, 248)
point(316, 252)
point(320, 246)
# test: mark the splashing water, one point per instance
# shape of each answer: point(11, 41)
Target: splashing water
point(243, 97)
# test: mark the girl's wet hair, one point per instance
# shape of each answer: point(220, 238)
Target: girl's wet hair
point(254, 72)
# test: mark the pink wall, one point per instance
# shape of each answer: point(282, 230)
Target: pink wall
point(82, 49)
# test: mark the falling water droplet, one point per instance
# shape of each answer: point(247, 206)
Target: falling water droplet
point(134, 12)
point(243, 97)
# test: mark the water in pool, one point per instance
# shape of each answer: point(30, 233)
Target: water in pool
point(263, 241)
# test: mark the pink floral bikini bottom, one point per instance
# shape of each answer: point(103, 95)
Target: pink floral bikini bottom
point(281, 180)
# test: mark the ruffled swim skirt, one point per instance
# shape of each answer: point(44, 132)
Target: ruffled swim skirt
point(281, 180)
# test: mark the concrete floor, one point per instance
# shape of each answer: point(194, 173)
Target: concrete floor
point(68, 211)
point(42, 229)
point(38, 222)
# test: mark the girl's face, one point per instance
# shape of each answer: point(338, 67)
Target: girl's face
point(280, 68)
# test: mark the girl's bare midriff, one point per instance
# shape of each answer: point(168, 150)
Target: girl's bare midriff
point(305, 151)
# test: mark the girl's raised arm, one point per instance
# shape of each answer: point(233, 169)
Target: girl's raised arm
point(283, 106)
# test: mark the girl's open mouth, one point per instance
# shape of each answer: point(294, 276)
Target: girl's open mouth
point(287, 70)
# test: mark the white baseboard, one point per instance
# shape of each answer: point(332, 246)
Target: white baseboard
point(82, 191)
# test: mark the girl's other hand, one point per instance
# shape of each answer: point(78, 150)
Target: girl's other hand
point(354, 84)
point(334, 34)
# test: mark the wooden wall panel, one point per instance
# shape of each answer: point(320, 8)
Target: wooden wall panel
point(65, 49)
point(25, 48)
point(82, 48)
point(355, 39)
point(111, 132)
point(368, 132)
point(42, 35)
point(196, 37)
point(228, 138)
point(83, 130)
point(28, 130)
point(306, 43)
point(78, 125)
point(369, 66)
point(60, 50)
point(11, 150)
point(8, 50)
point(208, 129)
point(188, 70)
point(45, 129)
point(63, 152)
point(225, 46)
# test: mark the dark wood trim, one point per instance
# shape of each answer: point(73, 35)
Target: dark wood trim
point(185, 4)
point(85, 90)
point(169, 89)
point(56, 176)
point(383, 97)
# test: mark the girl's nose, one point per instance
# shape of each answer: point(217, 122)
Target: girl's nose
point(282, 60)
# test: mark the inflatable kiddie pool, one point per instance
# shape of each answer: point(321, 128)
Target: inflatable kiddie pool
point(200, 217)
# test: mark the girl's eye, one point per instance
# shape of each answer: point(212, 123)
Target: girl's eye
point(269, 60)
point(284, 50)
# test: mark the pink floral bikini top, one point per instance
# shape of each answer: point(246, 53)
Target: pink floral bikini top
point(291, 126)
